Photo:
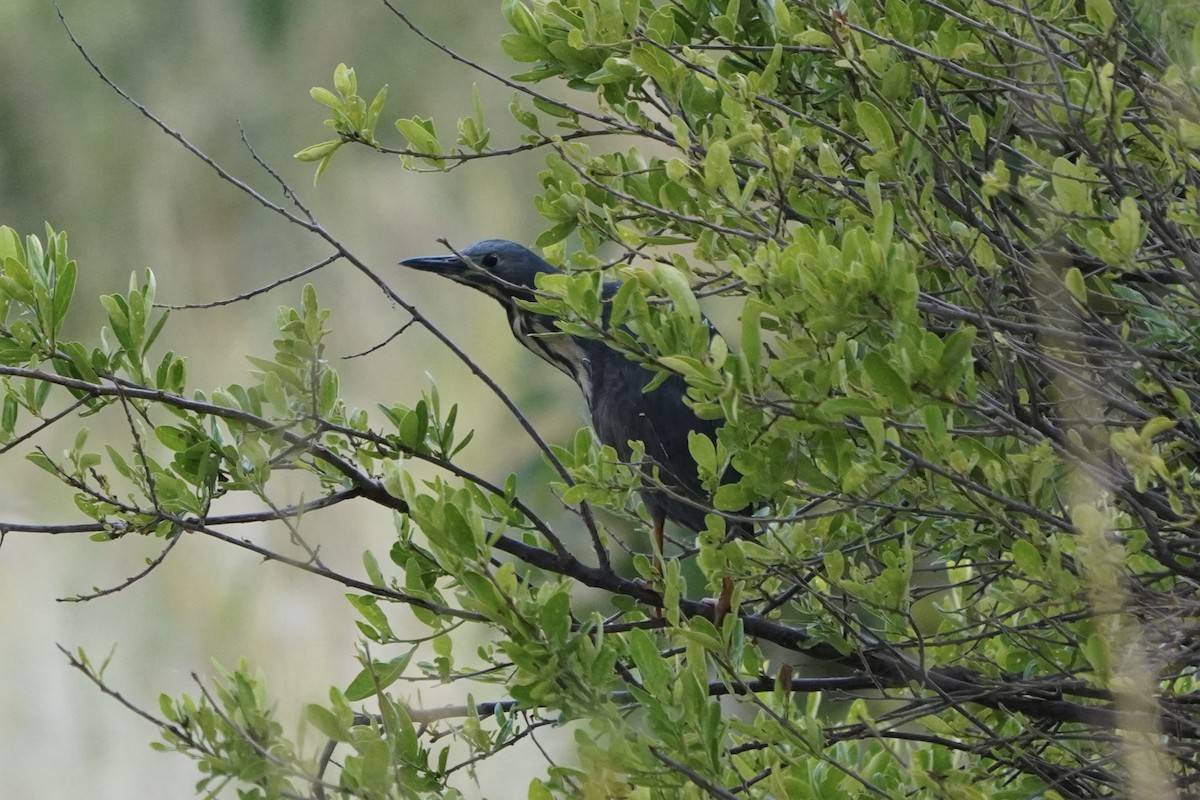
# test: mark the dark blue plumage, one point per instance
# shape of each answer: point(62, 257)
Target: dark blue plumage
point(612, 384)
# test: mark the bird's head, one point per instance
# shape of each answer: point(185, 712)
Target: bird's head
point(505, 270)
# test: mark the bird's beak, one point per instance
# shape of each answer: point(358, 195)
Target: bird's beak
point(439, 265)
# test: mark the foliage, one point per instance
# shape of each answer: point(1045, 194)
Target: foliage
point(965, 241)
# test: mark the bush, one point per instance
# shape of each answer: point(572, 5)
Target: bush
point(964, 241)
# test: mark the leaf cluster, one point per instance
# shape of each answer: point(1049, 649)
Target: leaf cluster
point(963, 238)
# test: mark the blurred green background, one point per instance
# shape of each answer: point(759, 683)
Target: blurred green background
point(75, 155)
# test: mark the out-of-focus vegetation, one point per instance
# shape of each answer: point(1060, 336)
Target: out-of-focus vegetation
point(72, 154)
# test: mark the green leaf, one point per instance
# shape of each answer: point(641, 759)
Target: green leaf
point(555, 618)
point(175, 439)
point(323, 95)
point(523, 115)
point(656, 676)
point(718, 171)
point(885, 378)
point(274, 393)
point(118, 320)
point(156, 330)
point(376, 108)
point(1154, 427)
point(978, 129)
point(376, 677)
point(345, 81)
point(703, 452)
point(1073, 280)
point(875, 126)
point(838, 407)
point(42, 461)
point(521, 19)
point(956, 350)
point(687, 367)
point(538, 791)
point(1073, 195)
point(522, 49)
point(327, 394)
point(321, 168)
point(8, 417)
point(459, 531)
point(1101, 14)
point(316, 152)
point(327, 723)
point(732, 497)
point(1027, 558)
point(557, 233)
point(900, 19)
point(17, 282)
point(1127, 229)
point(676, 285)
point(420, 134)
point(64, 288)
point(835, 565)
point(79, 364)
point(10, 244)
point(1096, 650)
point(371, 565)
point(935, 423)
point(808, 471)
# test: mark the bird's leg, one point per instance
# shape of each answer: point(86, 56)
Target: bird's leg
point(659, 521)
point(724, 601)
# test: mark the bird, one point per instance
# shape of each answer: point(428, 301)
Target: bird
point(612, 384)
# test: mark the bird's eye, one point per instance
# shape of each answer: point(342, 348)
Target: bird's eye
point(489, 260)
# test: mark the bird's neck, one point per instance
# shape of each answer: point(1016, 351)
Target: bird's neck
point(543, 338)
